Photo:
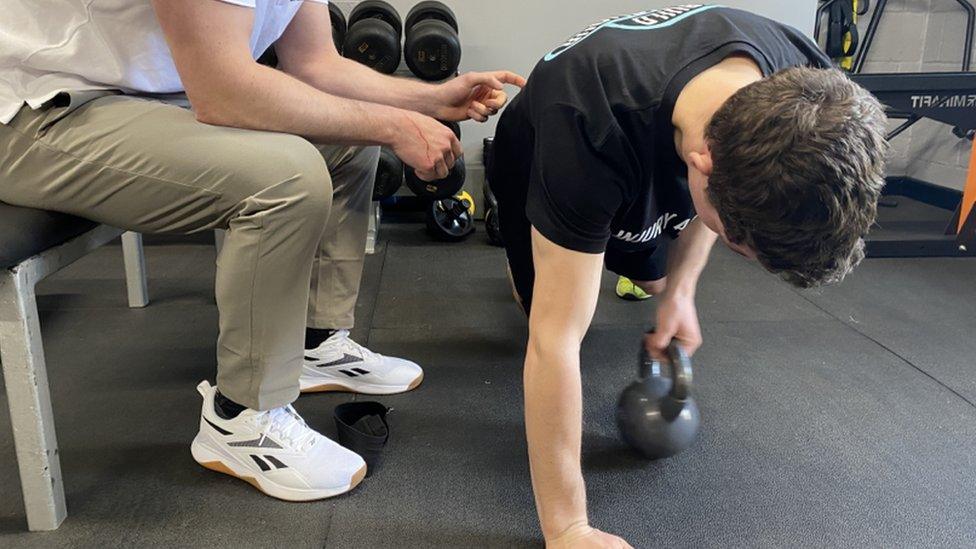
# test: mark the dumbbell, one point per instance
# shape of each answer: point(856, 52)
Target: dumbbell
point(389, 175)
point(338, 26)
point(440, 188)
point(270, 58)
point(432, 49)
point(373, 37)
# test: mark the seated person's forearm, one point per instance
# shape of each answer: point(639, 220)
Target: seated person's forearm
point(365, 84)
point(261, 98)
point(553, 419)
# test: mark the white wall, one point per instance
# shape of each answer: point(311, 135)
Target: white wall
point(515, 34)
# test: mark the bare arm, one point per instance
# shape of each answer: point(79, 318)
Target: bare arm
point(209, 40)
point(306, 51)
point(553, 392)
point(688, 258)
point(677, 316)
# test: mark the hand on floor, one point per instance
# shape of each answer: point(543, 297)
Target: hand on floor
point(585, 537)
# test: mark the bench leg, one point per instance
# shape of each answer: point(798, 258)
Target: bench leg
point(135, 269)
point(25, 376)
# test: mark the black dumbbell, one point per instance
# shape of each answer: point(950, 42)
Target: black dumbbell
point(338, 26)
point(389, 175)
point(270, 58)
point(432, 49)
point(451, 219)
point(373, 37)
point(440, 188)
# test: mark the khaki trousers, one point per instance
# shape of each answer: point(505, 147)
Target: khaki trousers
point(296, 215)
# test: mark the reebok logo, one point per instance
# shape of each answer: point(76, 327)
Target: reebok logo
point(261, 442)
point(346, 359)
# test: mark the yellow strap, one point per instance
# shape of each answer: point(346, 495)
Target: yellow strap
point(847, 63)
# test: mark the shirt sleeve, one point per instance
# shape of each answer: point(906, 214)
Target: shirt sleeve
point(576, 187)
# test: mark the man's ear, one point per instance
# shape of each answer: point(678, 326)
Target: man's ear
point(701, 161)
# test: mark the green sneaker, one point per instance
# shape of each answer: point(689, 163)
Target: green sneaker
point(629, 291)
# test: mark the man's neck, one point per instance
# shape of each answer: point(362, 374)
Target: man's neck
point(704, 95)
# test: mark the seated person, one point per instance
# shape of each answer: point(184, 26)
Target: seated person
point(283, 160)
point(635, 145)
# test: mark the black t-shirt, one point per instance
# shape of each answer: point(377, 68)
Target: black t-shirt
point(605, 171)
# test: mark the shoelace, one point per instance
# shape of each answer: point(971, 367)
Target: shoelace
point(289, 426)
point(347, 344)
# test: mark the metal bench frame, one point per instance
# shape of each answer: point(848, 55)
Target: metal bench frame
point(25, 373)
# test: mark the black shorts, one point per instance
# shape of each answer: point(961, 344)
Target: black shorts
point(509, 180)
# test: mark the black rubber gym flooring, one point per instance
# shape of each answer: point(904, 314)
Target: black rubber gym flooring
point(835, 418)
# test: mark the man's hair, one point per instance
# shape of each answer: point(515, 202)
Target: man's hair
point(798, 167)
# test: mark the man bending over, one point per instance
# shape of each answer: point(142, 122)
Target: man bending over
point(634, 146)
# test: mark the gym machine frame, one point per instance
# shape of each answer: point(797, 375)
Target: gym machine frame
point(948, 97)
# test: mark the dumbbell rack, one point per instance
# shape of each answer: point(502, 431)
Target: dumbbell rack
point(373, 20)
point(376, 208)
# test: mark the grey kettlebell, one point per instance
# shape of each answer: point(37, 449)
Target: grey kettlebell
point(656, 414)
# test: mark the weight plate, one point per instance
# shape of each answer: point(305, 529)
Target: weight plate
point(433, 50)
point(377, 9)
point(338, 26)
point(389, 175)
point(373, 43)
point(441, 188)
point(449, 219)
point(431, 9)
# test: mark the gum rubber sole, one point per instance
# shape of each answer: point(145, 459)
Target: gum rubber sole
point(632, 297)
point(339, 388)
point(221, 468)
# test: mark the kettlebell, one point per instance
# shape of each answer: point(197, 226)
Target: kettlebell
point(656, 414)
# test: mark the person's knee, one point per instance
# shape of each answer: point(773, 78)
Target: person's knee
point(289, 180)
point(653, 287)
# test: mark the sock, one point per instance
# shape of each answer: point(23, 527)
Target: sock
point(316, 336)
point(227, 408)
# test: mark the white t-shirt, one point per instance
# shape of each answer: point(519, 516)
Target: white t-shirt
point(51, 46)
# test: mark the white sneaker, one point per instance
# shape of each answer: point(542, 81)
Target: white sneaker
point(341, 364)
point(275, 451)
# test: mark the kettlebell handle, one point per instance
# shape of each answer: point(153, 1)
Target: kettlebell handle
point(681, 372)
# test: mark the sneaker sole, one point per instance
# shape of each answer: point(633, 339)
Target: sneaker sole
point(362, 388)
point(210, 460)
point(632, 297)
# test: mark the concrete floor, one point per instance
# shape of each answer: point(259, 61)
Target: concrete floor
point(841, 417)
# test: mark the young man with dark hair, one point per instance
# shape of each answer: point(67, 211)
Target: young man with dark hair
point(635, 145)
